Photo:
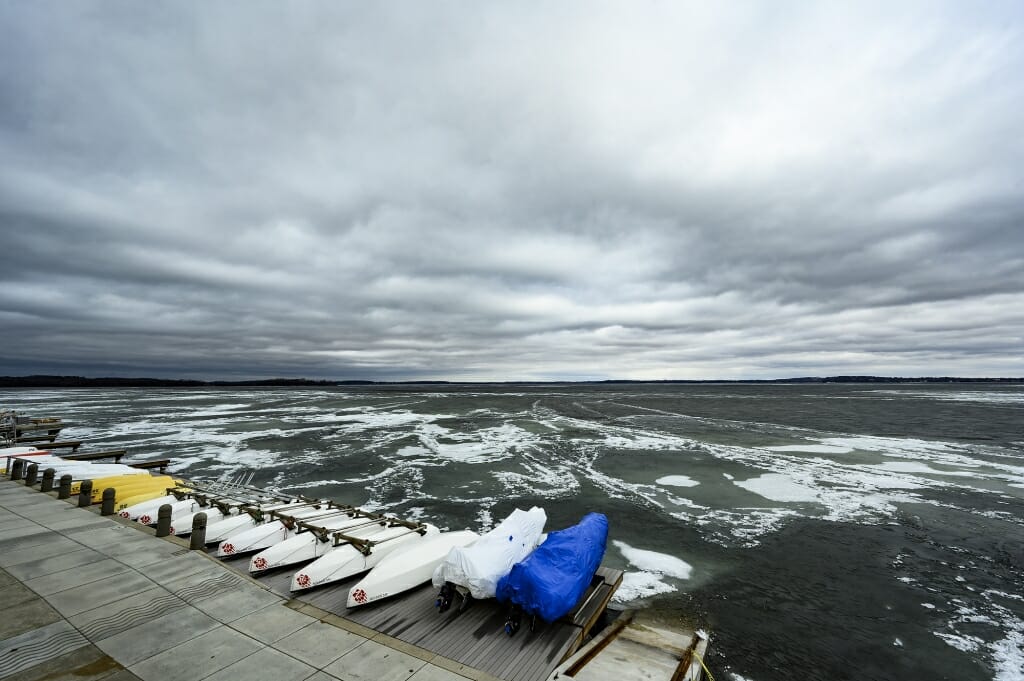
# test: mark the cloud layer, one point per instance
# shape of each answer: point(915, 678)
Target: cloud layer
point(585, 190)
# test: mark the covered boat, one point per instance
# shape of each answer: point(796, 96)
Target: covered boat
point(476, 569)
point(552, 579)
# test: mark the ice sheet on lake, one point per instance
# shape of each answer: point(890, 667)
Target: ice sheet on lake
point(677, 481)
point(812, 449)
point(652, 561)
point(637, 585)
point(779, 487)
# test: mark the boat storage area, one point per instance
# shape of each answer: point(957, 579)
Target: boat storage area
point(91, 596)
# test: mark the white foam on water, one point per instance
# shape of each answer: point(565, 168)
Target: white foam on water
point(984, 396)
point(638, 585)
point(1008, 657)
point(220, 410)
point(539, 479)
point(779, 487)
point(743, 526)
point(485, 445)
point(677, 481)
point(652, 561)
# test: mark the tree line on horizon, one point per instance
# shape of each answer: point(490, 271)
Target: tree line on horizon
point(47, 381)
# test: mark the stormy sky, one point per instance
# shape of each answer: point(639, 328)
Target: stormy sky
point(466, 191)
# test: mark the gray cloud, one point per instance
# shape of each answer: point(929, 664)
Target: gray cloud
point(522, 192)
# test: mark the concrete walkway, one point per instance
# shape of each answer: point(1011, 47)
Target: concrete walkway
point(86, 597)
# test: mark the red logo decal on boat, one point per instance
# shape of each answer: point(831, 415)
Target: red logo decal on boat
point(227, 548)
point(302, 580)
point(359, 596)
point(259, 562)
point(144, 520)
point(171, 530)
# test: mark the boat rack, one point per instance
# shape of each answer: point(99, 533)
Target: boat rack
point(365, 546)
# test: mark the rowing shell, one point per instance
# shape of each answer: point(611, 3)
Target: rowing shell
point(306, 546)
point(407, 567)
point(347, 560)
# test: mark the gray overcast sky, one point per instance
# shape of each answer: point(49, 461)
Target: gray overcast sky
point(572, 190)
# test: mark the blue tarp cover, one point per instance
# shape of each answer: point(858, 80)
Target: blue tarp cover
point(552, 579)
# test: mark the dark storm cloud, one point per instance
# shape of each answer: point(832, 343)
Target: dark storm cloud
point(584, 190)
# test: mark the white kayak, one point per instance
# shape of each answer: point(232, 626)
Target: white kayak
point(178, 508)
point(79, 470)
point(151, 506)
point(236, 524)
point(407, 567)
point(270, 533)
point(347, 560)
point(182, 525)
point(306, 546)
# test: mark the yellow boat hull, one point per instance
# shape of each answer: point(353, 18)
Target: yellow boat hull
point(143, 496)
point(126, 485)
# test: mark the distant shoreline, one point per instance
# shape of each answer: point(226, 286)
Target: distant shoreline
point(45, 381)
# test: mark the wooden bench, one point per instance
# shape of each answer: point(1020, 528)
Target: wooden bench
point(73, 445)
point(162, 464)
point(36, 438)
point(114, 454)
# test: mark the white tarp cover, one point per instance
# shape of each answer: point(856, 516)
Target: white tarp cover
point(480, 566)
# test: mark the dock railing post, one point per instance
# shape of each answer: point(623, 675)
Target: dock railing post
point(47, 484)
point(64, 491)
point(85, 494)
point(163, 521)
point(31, 474)
point(108, 501)
point(17, 469)
point(197, 542)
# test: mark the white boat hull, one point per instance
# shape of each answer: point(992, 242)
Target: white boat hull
point(407, 567)
point(178, 509)
point(135, 510)
point(305, 546)
point(346, 560)
point(236, 524)
point(265, 535)
point(182, 525)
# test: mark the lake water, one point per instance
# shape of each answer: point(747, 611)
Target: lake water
point(818, 531)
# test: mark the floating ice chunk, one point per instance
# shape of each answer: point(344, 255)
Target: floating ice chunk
point(652, 561)
point(637, 585)
point(677, 481)
point(914, 467)
point(778, 487)
point(813, 449)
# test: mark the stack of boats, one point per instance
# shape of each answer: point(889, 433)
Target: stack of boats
point(122, 477)
point(539, 575)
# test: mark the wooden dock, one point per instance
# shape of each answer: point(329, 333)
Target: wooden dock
point(92, 598)
point(474, 637)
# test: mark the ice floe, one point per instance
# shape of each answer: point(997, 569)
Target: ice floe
point(652, 561)
point(779, 487)
point(677, 481)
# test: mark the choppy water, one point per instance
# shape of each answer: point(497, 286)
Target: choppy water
point(819, 532)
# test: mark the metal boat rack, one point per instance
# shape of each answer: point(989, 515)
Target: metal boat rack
point(365, 546)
